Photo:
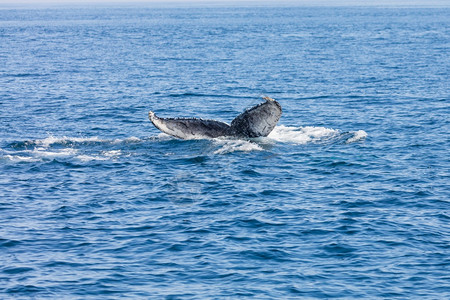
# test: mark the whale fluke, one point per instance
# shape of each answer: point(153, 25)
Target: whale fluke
point(257, 121)
point(190, 128)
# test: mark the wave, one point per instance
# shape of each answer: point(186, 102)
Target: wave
point(311, 134)
point(71, 141)
point(229, 146)
point(19, 158)
point(357, 136)
point(87, 149)
point(81, 148)
point(301, 135)
point(290, 135)
point(221, 96)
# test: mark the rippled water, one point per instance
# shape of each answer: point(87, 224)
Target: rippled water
point(348, 197)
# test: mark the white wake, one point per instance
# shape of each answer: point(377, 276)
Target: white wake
point(60, 147)
point(301, 135)
point(70, 147)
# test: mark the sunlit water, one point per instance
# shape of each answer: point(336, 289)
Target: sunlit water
point(348, 197)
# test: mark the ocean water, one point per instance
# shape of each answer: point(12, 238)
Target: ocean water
point(347, 198)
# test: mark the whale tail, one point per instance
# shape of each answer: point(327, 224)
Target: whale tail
point(257, 121)
point(190, 128)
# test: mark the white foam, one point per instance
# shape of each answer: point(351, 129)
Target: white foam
point(18, 158)
point(358, 135)
point(164, 137)
point(63, 140)
point(60, 153)
point(56, 147)
point(112, 153)
point(229, 146)
point(38, 153)
point(301, 135)
point(87, 158)
point(132, 139)
point(47, 142)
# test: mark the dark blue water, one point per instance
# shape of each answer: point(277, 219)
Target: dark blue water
point(347, 198)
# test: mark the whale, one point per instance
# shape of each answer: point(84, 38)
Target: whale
point(257, 121)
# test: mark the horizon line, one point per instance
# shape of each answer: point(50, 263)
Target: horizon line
point(329, 3)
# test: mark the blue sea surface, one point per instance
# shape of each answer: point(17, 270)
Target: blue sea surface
point(348, 197)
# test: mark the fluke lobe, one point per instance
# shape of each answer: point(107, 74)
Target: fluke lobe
point(257, 121)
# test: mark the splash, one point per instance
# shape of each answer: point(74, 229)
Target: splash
point(357, 136)
point(87, 149)
point(229, 146)
point(51, 140)
point(52, 147)
point(301, 135)
point(129, 140)
point(87, 158)
point(19, 158)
